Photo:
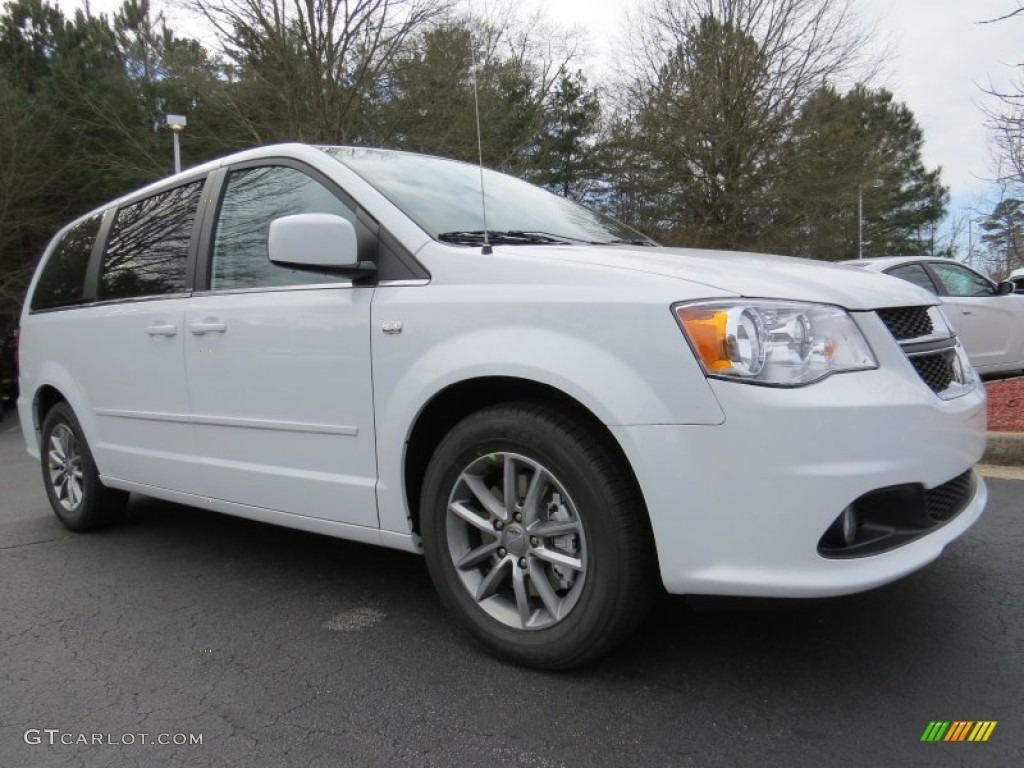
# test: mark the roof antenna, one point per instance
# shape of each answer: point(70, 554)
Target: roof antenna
point(486, 250)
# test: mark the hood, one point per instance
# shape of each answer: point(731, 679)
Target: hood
point(752, 275)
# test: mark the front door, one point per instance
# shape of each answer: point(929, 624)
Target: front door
point(989, 324)
point(278, 362)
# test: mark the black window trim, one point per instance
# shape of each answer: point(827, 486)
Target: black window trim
point(92, 276)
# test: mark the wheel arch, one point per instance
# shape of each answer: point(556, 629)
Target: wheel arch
point(55, 384)
point(457, 401)
point(44, 399)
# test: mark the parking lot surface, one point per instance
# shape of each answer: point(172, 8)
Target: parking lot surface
point(280, 648)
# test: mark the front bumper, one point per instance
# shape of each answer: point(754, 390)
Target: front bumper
point(740, 508)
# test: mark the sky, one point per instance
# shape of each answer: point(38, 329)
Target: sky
point(940, 58)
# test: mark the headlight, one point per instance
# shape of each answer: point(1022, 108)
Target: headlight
point(777, 343)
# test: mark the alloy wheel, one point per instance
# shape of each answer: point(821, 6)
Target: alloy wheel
point(516, 540)
point(64, 461)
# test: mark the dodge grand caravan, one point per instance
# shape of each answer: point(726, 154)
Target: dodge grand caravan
point(556, 412)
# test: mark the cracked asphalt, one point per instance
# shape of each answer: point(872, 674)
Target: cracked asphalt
point(287, 649)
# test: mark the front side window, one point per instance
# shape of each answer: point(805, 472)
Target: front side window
point(62, 282)
point(961, 281)
point(147, 252)
point(253, 198)
point(914, 273)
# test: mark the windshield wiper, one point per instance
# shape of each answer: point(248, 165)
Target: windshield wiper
point(504, 237)
point(647, 243)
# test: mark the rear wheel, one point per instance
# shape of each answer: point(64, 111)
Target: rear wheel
point(535, 537)
point(72, 482)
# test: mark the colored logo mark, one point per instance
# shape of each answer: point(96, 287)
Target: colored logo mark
point(959, 730)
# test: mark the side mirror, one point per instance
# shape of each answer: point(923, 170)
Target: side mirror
point(322, 242)
point(1006, 287)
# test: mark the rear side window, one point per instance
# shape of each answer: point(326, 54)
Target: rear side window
point(147, 252)
point(62, 282)
point(914, 273)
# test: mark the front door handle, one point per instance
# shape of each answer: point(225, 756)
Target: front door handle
point(207, 326)
point(162, 329)
point(968, 312)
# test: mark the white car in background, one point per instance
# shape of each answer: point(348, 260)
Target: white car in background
point(988, 317)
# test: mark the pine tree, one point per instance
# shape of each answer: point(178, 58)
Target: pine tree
point(1004, 236)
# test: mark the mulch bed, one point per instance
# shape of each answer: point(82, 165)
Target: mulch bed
point(1006, 404)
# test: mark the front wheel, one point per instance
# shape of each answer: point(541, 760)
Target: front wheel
point(80, 500)
point(535, 536)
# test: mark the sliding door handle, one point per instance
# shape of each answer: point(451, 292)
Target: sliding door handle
point(207, 326)
point(162, 329)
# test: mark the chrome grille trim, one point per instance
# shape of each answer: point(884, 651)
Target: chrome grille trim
point(931, 348)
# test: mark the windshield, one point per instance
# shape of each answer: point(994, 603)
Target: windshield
point(443, 197)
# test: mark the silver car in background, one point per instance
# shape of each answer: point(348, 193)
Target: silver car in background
point(988, 317)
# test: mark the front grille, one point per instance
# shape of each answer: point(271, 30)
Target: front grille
point(932, 349)
point(936, 369)
point(948, 499)
point(907, 322)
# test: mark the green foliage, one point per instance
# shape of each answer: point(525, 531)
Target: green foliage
point(427, 103)
point(709, 139)
point(721, 150)
point(1003, 236)
point(864, 144)
point(83, 101)
point(568, 159)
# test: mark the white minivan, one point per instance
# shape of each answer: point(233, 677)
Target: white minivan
point(559, 414)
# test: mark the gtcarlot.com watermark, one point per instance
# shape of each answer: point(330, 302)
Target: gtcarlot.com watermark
point(55, 736)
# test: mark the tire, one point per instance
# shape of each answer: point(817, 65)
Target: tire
point(568, 579)
point(80, 500)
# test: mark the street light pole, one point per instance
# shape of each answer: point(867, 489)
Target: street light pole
point(177, 124)
point(860, 215)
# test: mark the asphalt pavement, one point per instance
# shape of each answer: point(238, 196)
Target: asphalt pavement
point(279, 648)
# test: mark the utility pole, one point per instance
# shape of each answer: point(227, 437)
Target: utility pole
point(860, 215)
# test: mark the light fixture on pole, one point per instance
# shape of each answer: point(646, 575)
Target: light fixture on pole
point(875, 184)
point(177, 124)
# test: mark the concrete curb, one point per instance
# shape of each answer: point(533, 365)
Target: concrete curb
point(1005, 449)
